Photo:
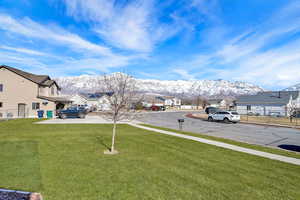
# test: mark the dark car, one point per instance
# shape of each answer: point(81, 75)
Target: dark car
point(211, 110)
point(72, 112)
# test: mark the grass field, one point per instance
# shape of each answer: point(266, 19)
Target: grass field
point(67, 162)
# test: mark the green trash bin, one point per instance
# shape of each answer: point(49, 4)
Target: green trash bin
point(49, 114)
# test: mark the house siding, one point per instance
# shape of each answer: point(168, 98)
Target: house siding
point(79, 100)
point(101, 104)
point(262, 109)
point(18, 90)
point(51, 91)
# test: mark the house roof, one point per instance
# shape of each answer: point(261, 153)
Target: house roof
point(214, 101)
point(97, 95)
point(163, 98)
point(56, 99)
point(160, 98)
point(43, 80)
point(168, 97)
point(275, 97)
point(81, 95)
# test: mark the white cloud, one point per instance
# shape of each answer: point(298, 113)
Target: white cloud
point(87, 55)
point(61, 65)
point(49, 33)
point(24, 50)
point(257, 55)
point(21, 60)
point(184, 74)
point(132, 26)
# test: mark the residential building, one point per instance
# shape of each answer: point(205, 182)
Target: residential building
point(218, 103)
point(268, 103)
point(98, 101)
point(79, 100)
point(166, 101)
point(172, 101)
point(22, 94)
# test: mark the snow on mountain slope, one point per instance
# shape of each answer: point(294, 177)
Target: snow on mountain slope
point(209, 88)
point(293, 88)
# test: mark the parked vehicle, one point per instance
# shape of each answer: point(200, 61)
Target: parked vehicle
point(158, 108)
point(209, 110)
point(72, 112)
point(296, 114)
point(226, 116)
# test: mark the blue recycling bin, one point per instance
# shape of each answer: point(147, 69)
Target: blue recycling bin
point(40, 113)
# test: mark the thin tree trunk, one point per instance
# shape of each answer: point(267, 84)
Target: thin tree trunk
point(113, 137)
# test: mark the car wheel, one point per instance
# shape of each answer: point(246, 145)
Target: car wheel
point(81, 116)
point(63, 116)
point(226, 120)
point(210, 119)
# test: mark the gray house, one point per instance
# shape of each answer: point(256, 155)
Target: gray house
point(268, 103)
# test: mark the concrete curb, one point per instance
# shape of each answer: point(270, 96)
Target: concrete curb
point(285, 159)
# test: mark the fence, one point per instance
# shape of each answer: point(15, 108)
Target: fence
point(270, 115)
point(274, 118)
point(189, 107)
point(294, 121)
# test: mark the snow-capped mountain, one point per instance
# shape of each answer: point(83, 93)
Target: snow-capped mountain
point(208, 88)
point(293, 88)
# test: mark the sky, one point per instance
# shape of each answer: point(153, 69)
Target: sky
point(237, 40)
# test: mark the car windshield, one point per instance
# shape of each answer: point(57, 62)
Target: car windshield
point(234, 113)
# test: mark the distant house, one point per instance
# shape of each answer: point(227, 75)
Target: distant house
point(99, 101)
point(167, 101)
point(79, 100)
point(172, 101)
point(218, 103)
point(268, 103)
point(22, 94)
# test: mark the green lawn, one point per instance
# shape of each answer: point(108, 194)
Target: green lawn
point(67, 162)
point(242, 144)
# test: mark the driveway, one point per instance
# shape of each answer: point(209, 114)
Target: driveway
point(86, 120)
point(89, 119)
point(254, 134)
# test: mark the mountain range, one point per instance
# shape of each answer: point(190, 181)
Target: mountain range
point(206, 88)
point(293, 88)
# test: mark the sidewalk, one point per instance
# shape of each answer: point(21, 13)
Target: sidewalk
point(286, 159)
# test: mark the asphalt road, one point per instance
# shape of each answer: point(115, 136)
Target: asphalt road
point(253, 134)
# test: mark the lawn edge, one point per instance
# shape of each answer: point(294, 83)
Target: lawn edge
point(266, 149)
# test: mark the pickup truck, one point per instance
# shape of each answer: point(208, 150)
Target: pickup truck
point(72, 112)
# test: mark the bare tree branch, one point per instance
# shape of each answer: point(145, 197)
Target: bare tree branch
point(122, 97)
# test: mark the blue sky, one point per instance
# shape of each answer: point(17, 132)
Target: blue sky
point(239, 40)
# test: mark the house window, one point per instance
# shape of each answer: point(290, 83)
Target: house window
point(248, 107)
point(1, 104)
point(35, 106)
point(1, 87)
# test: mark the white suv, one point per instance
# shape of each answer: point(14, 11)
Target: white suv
point(226, 116)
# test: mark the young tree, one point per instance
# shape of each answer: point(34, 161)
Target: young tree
point(196, 92)
point(292, 110)
point(122, 98)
